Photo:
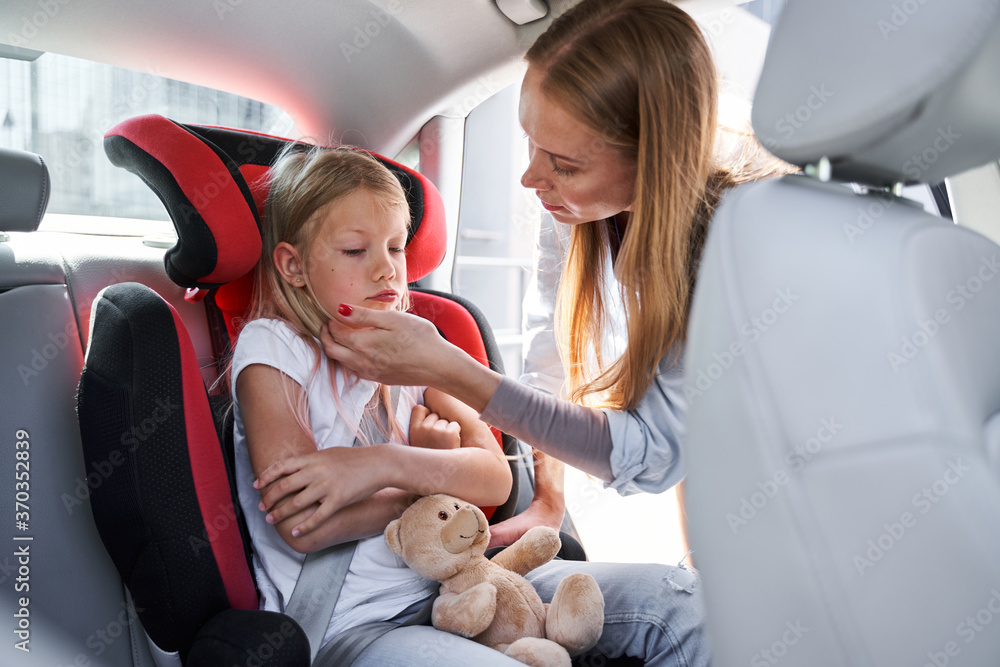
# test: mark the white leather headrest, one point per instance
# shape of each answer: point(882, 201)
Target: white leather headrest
point(888, 90)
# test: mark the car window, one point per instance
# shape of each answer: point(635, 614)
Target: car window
point(498, 221)
point(60, 108)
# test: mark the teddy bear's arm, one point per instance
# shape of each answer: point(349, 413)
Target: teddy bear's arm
point(468, 613)
point(536, 547)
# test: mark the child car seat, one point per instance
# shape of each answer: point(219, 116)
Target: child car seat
point(169, 517)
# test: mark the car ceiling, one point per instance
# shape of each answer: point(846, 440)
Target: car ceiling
point(354, 71)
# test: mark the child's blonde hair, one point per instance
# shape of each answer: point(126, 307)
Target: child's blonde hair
point(303, 183)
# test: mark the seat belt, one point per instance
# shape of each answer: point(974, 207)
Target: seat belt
point(318, 586)
point(344, 649)
point(317, 590)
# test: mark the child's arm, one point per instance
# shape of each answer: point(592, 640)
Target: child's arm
point(477, 472)
point(273, 434)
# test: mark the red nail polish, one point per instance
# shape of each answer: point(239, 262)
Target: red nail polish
point(344, 310)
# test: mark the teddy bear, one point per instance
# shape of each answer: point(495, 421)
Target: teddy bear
point(489, 601)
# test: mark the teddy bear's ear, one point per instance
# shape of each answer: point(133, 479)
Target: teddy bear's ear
point(392, 537)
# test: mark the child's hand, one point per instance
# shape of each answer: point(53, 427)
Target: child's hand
point(330, 479)
point(429, 430)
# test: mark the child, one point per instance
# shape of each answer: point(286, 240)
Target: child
point(334, 232)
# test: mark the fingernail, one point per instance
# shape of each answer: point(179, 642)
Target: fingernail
point(261, 506)
point(269, 518)
point(256, 484)
point(295, 532)
point(345, 310)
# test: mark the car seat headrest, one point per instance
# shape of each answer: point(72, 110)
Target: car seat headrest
point(213, 182)
point(889, 91)
point(24, 190)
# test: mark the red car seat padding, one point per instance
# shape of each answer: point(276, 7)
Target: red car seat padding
point(210, 181)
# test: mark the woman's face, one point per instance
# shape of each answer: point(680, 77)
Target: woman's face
point(578, 176)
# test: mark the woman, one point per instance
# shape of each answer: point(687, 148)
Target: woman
point(619, 104)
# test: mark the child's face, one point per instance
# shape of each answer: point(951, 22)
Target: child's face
point(357, 257)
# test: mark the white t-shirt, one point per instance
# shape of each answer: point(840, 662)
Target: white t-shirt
point(379, 585)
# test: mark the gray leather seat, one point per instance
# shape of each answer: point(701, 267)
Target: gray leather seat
point(844, 355)
point(24, 190)
point(60, 595)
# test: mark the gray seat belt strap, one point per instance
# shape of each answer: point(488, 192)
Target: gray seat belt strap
point(317, 590)
point(318, 586)
point(344, 649)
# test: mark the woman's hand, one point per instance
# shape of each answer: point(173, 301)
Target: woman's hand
point(429, 430)
point(538, 513)
point(547, 508)
point(390, 347)
point(329, 479)
point(398, 348)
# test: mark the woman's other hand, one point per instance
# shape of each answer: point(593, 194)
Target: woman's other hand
point(538, 513)
point(547, 508)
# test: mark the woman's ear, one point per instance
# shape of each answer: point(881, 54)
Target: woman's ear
point(289, 264)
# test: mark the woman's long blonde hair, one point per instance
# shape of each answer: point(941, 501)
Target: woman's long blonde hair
point(640, 75)
point(303, 183)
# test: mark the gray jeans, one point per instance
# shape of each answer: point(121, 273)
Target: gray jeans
point(645, 616)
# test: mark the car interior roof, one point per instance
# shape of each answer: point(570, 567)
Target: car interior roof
point(350, 71)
